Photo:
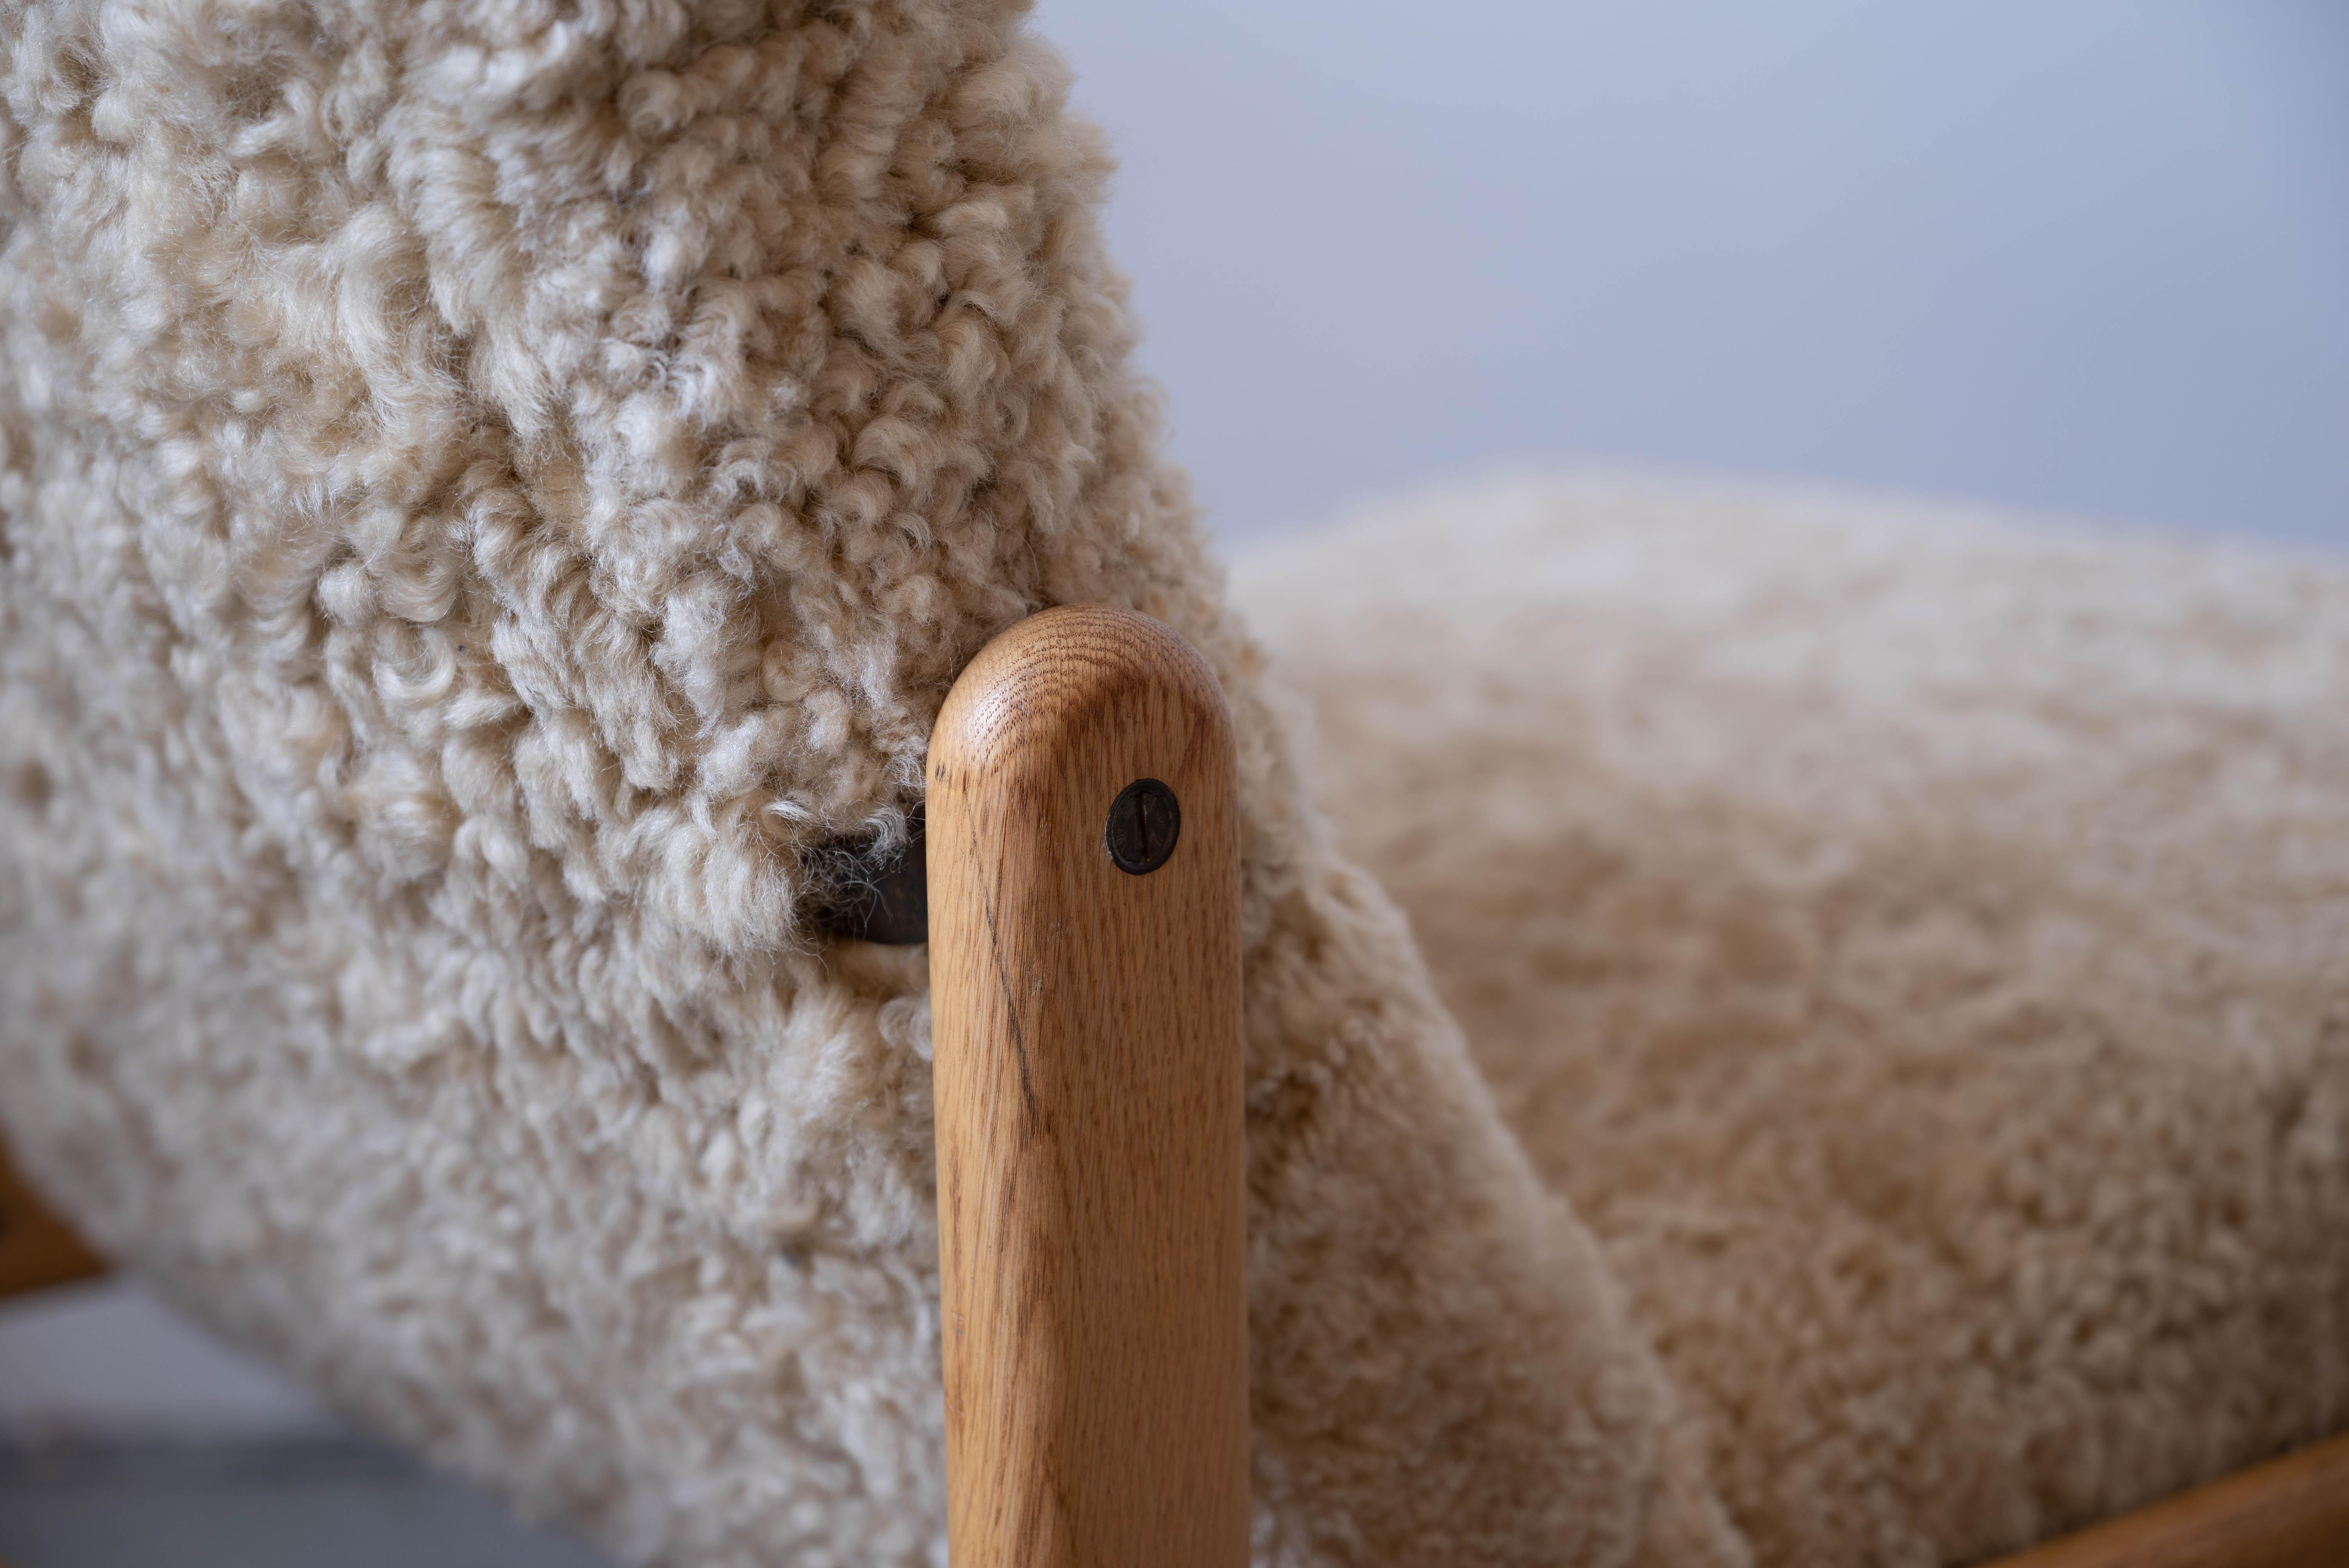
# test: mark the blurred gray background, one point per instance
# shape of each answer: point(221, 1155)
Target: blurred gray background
point(2088, 258)
point(2085, 258)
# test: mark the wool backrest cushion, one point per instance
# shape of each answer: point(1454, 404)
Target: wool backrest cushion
point(492, 496)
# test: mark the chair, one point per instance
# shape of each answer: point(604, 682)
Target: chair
point(511, 517)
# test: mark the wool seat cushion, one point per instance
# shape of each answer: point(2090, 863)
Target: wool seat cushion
point(1917, 944)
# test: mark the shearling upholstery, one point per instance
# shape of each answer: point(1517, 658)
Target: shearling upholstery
point(488, 493)
point(492, 494)
point(1917, 946)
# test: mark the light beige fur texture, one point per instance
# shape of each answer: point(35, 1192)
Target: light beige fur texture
point(1919, 947)
point(486, 492)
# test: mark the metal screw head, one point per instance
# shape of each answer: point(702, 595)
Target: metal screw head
point(1145, 820)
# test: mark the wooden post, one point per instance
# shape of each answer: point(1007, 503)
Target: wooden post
point(1085, 1014)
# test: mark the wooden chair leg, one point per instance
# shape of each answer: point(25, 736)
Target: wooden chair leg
point(1085, 1014)
point(36, 1248)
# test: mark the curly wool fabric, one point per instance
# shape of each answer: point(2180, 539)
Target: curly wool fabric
point(487, 491)
point(1919, 946)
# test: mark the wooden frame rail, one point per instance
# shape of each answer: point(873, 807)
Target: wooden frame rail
point(2292, 1513)
point(36, 1248)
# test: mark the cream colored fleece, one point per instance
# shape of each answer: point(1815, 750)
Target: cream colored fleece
point(487, 493)
point(1919, 947)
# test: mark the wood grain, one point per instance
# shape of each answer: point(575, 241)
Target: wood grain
point(1086, 1030)
point(36, 1248)
point(2292, 1513)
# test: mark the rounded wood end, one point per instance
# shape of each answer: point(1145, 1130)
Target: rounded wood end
point(1056, 672)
